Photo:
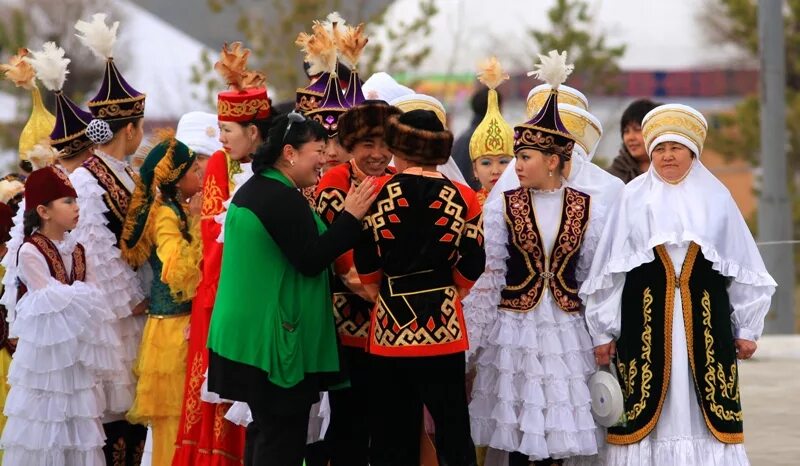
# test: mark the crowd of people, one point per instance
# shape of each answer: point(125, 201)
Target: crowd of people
point(337, 282)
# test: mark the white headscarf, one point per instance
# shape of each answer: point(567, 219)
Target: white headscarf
point(199, 131)
point(651, 212)
point(381, 86)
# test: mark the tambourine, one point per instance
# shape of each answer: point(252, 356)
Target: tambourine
point(607, 403)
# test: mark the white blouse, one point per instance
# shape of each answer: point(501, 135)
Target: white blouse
point(749, 303)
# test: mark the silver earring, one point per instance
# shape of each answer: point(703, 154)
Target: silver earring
point(291, 162)
point(550, 174)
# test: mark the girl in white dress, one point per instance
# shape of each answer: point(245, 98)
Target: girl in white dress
point(677, 292)
point(66, 341)
point(534, 354)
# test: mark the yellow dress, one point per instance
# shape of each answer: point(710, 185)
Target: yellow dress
point(5, 362)
point(161, 366)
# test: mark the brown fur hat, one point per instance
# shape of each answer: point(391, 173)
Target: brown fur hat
point(420, 136)
point(364, 121)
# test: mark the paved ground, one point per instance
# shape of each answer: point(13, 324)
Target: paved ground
point(771, 397)
point(770, 385)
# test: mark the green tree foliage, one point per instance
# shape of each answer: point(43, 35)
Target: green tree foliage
point(736, 134)
point(571, 29)
point(270, 30)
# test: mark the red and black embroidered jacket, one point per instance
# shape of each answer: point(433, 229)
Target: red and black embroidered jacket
point(532, 269)
point(426, 239)
point(351, 312)
point(116, 197)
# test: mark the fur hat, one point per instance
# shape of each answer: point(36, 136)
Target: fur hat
point(364, 121)
point(420, 136)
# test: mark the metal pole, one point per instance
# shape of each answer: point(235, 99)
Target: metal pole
point(774, 207)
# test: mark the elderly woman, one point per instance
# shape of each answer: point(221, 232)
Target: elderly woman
point(272, 341)
point(677, 291)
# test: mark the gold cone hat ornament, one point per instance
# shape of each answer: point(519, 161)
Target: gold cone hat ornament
point(41, 122)
point(493, 136)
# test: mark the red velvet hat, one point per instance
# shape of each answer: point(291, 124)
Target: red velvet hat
point(247, 98)
point(46, 185)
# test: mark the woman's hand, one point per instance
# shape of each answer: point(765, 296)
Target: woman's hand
point(141, 308)
point(745, 348)
point(196, 205)
point(359, 200)
point(604, 353)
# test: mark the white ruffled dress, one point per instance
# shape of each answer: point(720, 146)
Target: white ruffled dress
point(530, 394)
point(67, 344)
point(118, 282)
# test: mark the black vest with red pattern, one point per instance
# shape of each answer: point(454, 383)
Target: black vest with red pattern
point(531, 270)
point(116, 197)
point(54, 262)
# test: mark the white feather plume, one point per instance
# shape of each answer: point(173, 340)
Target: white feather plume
point(334, 17)
point(50, 66)
point(9, 189)
point(98, 36)
point(42, 155)
point(553, 68)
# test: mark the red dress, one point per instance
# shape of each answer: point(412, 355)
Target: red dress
point(205, 437)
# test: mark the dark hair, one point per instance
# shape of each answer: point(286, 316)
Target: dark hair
point(283, 107)
point(480, 102)
point(635, 113)
point(117, 125)
point(169, 193)
point(26, 166)
point(31, 221)
point(262, 124)
point(300, 133)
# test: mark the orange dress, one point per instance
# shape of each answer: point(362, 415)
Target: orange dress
point(205, 437)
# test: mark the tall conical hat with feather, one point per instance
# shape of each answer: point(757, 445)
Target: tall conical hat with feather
point(116, 99)
point(546, 132)
point(68, 136)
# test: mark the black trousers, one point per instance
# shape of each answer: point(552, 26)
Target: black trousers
point(277, 435)
point(124, 443)
point(399, 387)
point(520, 459)
point(347, 437)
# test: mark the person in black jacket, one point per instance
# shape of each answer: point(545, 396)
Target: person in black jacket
point(632, 159)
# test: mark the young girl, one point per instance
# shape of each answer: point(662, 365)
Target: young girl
point(162, 229)
point(65, 339)
point(243, 112)
point(530, 396)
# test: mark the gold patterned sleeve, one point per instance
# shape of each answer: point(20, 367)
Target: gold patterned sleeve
point(180, 257)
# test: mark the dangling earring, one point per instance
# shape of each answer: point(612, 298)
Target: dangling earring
point(291, 162)
point(550, 174)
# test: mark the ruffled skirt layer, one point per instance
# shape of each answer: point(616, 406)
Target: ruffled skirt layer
point(530, 394)
point(55, 403)
point(116, 280)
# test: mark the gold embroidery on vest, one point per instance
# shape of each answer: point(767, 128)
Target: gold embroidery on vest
point(647, 340)
point(717, 373)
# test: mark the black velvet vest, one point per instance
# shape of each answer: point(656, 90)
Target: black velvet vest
point(644, 349)
point(530, 268)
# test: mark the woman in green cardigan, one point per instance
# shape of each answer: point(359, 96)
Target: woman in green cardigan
point(272, 341)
